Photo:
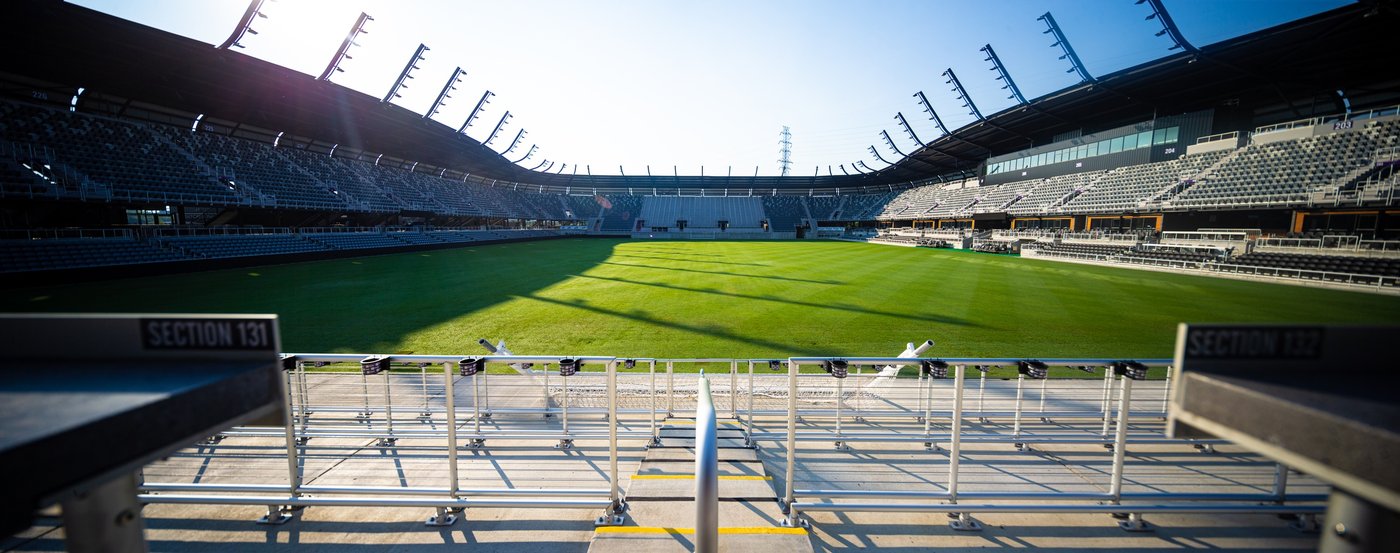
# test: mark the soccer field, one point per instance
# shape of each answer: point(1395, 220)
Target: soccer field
point(716, 299)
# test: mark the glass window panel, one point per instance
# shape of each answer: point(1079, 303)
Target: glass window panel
point(1172, 134)
point(1159, 136)
point(1115, 145)
point(1144, 139)
point(1130, 142)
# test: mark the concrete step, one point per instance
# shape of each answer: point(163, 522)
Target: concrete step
point(655, 539)
point(681, 487)
point(667, 526)
point(687, 454)
point(722, 443)
point(689, 432)
point(726, 468)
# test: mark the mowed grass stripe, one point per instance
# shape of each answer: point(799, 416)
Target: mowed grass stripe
point(717, 299)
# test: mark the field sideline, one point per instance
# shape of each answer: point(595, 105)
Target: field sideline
point(716, 299)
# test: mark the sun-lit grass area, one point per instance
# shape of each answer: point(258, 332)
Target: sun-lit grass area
point(716, 299)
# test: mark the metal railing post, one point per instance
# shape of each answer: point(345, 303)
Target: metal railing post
point(304, 393)
point(670, 388)
point(293, 461)
point(1280, 490)
point(956, 449)
point(388, 410)
point(1044, 383)
point(919, 403)
point(859, 388)
point(748, 428)
point(1107, 400)
point(655, 434)
point(706, 472)
point(614, 487)
point(1120, 438)
point(364, 386)
point(451, 406)
point(928, 405)
point(476, 400)
point(840, 399)
point(423, 380)
point(733, 389)
point(1167, 392)
point(1020, 389)
point(982, 396)
point(565, 442)
point(788, 496)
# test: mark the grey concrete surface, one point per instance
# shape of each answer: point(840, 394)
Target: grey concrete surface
point(344, 452)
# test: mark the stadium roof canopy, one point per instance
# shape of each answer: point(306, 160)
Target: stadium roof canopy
point(1291, 71)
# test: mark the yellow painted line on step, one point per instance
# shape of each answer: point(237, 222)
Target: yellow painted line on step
point(691, 531)
point(692, 477)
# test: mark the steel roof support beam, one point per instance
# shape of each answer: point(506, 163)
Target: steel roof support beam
point(1063, 43)
point(476, 111)
point(401, 82)
point(245, 25)
point(342, 53)
point(1159, 12)
point(442, 97)
point(899, 116)
point(1003, 75)
point(962, 93)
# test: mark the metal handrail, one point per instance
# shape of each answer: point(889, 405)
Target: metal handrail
point(706, 472)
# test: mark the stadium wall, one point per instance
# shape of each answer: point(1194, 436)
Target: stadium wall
point(1190, 126)
point(112, 272)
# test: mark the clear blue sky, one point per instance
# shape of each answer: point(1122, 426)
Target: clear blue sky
point(638, 82)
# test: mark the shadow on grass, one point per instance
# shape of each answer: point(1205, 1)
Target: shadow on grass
point(683, 260)
point(723, 273)
point(708, 330)
point(839, 307)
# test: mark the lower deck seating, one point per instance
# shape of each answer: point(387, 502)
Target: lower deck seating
point(1095, 250)
point(356, 240)
point(37, 255)
point(1322, 263)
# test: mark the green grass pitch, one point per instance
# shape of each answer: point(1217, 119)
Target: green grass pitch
point(716, 299)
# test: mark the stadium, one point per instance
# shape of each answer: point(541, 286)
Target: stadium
point(1097, 318)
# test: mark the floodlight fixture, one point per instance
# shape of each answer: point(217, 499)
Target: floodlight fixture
point(407, 73)
point(1033, 369)
point(476, 111)
point(1159, 13)
point(1131, 370)
point(569, 366)
point(1003, 75)
point(471, 365)
point(890, 143)
point(932, 115)
point(374, 364)
point(899, 116)
point(962, 93)
point(499, 125)
point(342, 53)
point(934, 368)
point(1053, 28)
point(452, 82)
point(528, 154)
point(245, 25)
